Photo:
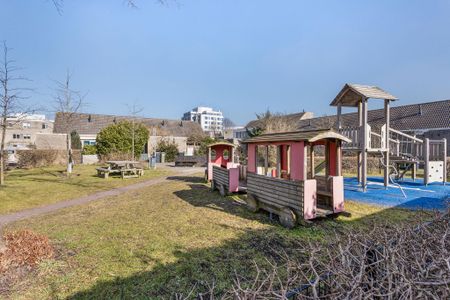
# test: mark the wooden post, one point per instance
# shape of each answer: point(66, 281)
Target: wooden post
point(288, 155)
point(426, 154)
point(364, 145)
point(327, 159)
point(338, 158)
point(444, 140)
point(386, 156)
point(359, 137)
point(305, 161)
point(266, 161)
point(339, 112)
point(278, 161)
point(311, 159)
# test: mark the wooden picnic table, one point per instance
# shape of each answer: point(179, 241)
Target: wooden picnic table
point(126, 168)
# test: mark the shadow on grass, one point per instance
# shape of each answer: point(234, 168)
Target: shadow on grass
point(195, 270)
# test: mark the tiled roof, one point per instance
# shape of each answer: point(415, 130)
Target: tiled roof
point(429, 115)
point(351, 94)
point(310, 136)
point(289, 118)
point(84, 123)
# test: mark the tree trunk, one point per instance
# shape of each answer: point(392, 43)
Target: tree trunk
point(69, 156)
point(2, 151)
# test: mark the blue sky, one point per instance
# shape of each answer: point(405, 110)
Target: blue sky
point(241, 57)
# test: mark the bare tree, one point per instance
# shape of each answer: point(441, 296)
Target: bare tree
point(134, 111)
point(67, 103)
point(11, 97)
point(59, 4)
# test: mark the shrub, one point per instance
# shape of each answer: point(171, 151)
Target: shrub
point(41, 158)
point(169, 147)
point(24, 248)
point(75, 140)
point(203, 147)
point(89, 149)
point(117, 138)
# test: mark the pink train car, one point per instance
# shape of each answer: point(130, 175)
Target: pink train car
point(282, 179)
point(221, 171)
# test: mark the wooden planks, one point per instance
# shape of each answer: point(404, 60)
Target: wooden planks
point(276, 192)
point(221, 177)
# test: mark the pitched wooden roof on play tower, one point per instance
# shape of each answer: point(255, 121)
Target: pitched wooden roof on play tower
point(309, 136)
point(351, 94)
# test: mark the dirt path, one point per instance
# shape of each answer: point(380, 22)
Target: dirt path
point(37, 211)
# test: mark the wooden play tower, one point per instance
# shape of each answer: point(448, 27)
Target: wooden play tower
point(395, 149)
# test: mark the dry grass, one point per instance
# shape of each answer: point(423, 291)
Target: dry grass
point(169, 238)
point(35, 187)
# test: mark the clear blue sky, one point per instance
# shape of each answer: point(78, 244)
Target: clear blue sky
point(240, 57)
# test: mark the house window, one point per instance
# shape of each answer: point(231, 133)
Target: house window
point(16, 136)
point(27, 136)
point(44, 125)
point(10, 124)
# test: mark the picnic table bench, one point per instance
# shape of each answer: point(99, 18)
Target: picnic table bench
point(126, 169)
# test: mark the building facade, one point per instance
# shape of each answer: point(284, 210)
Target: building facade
point(89, 125)
point(23, 130)
point(209, 119)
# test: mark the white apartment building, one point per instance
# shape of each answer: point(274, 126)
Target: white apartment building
point(209, 119)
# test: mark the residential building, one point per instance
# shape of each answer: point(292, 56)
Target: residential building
point(210, 120)
point(23, 130)
point(235, 133)
point(89, 125)
point(426, 120)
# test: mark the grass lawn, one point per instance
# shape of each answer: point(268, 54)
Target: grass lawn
point(173, 237)
point(35, 187)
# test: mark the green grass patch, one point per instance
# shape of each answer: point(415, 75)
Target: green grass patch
point(35, 187)
point(173, 237)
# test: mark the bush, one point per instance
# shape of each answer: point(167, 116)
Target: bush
point(204, 143)
point(117, 138)
point(41, 158)
point(169, 147)
point(75, 140)
point(24, 248)
point(89, 150)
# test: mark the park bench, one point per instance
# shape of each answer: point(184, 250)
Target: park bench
point(104, 172)
point(126, 169)
point(131, 173)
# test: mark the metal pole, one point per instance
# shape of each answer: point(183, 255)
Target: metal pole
point(386, 157)
point(426, 160)
point(364, 143)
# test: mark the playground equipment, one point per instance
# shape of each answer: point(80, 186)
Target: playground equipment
point(290, 188)
point(396, 149)
point(221, 171)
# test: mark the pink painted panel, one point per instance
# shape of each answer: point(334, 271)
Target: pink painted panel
point(332, 159)
point(310, 199)
point(251, 158)
point(284, 158)
point(210, 170)
point(338, 193)
point(232, 165)
point(219, 154)
point(297, 161)
point(233, 175)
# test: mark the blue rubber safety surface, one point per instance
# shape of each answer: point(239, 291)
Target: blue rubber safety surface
point(435, 196)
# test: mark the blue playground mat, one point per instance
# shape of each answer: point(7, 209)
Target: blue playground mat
point(435, 196)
